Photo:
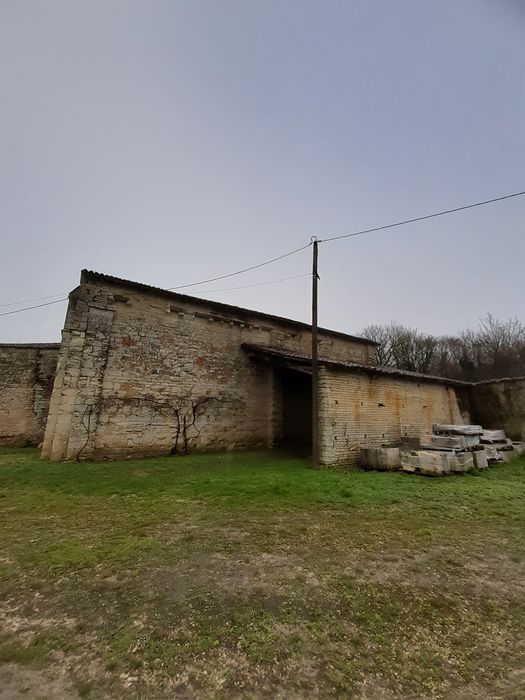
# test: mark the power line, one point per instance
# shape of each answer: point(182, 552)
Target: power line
point(27, 301)
point(422, 218)
point(292, 252)
point(247, 286)
point(182, 286)
point(240, 272)
point(203, 291)
point(28, 308)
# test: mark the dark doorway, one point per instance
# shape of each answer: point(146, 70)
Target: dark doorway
point(297, 412)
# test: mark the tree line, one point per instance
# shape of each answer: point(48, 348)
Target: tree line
point(493, 350)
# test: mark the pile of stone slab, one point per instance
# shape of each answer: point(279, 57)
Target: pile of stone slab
point(450, 449)
point(499, 448)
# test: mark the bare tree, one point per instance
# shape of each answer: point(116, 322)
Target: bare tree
point(403, 347)
point(495, 349)
point(381, 335)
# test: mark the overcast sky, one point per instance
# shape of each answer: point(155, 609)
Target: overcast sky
point(168, 142)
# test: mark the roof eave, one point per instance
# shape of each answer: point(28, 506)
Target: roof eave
point(90, 277)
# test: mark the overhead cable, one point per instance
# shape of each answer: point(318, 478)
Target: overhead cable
point(28, 308)
point(422, 218)
point(27, 301)
point(288, 254)
point(240, 272)
point(247, 286)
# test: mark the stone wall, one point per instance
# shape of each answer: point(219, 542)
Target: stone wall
point(367, 410)
point(501, 404)
point(26, 380)
point(140, 367)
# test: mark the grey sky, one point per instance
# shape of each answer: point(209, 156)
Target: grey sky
point(168, 142)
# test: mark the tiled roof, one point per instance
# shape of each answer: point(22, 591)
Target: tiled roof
point(39, 346)
point(88, 276)
point(303, 359)
point(501, 380)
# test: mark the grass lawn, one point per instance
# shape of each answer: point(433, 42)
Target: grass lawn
point(247, 575)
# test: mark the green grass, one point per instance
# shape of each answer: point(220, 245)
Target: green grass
point(251, 575)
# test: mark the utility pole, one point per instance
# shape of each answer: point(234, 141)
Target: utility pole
point(315, 367)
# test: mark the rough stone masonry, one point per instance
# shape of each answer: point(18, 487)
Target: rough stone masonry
point(27, 372)
point(144, 371)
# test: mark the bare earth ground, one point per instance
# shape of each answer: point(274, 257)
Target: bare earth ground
point(248, 575)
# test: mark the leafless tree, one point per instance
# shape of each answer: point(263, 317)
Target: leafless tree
point(403, 347)
point(495, 349)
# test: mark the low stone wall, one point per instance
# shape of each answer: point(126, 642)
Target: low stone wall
point(360, 410)
point(501, 404)
point(27, 372)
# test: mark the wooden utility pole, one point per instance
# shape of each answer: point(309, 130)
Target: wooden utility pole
point(315, 366)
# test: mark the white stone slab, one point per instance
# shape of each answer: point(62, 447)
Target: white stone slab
point(429, 462)
point(493, 436)
point(465, 461)
point(519, 448)
point(492, 454)
point(382, 458)
point(447, 429)
point(480, 459)
point(449, 442)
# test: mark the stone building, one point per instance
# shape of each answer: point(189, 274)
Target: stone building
point(364, 405)
point(144, 371)
point(27, 372)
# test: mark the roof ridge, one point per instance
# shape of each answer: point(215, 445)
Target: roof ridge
point(90, 275)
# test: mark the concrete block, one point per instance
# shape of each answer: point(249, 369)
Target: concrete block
point(447, 429)
point(382, 458)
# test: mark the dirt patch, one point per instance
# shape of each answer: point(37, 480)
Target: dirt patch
point(491, 571)
point(17, 682)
